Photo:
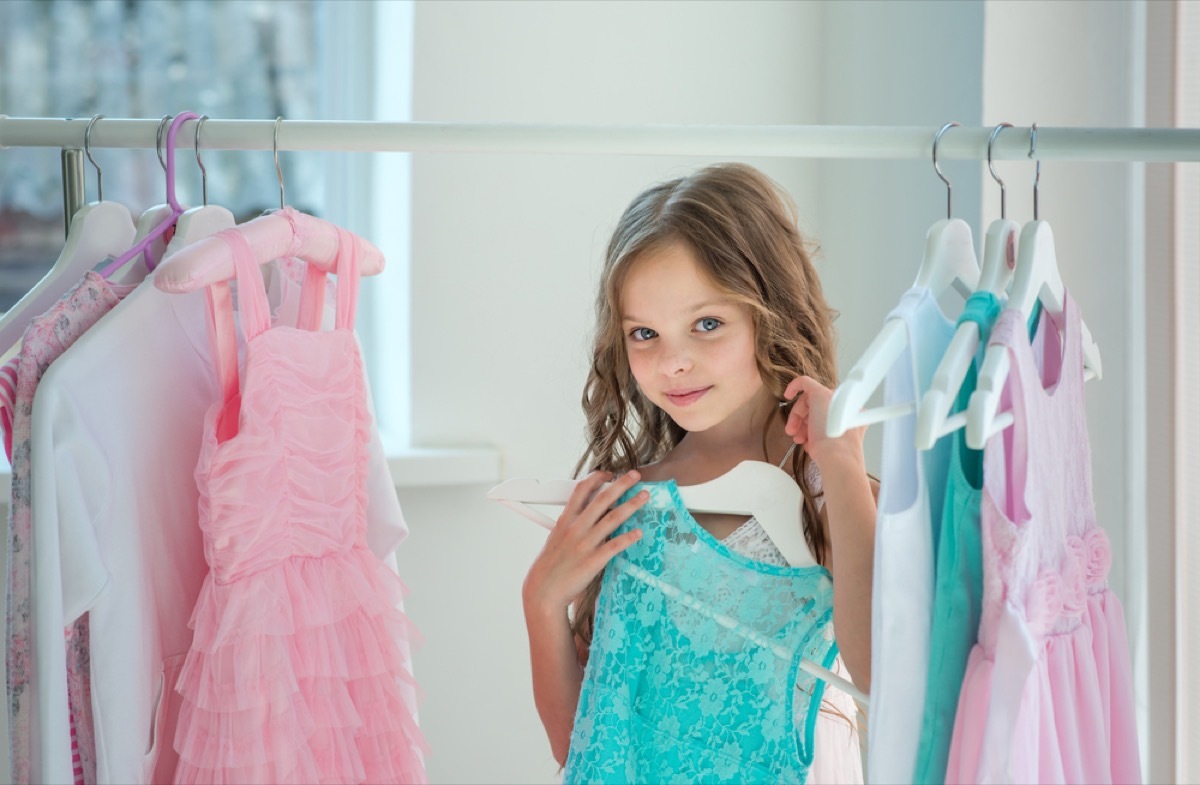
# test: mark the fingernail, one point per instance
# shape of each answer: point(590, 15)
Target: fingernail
point(634, 475)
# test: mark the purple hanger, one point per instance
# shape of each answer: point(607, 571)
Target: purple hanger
point(176, 208)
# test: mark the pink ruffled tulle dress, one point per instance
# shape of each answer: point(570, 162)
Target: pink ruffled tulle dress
point(295, 674)
point(1048, 691)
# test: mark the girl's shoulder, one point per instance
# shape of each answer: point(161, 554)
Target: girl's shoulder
point(659, 471)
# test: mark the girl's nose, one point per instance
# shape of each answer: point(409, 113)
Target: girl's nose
point(674, 363)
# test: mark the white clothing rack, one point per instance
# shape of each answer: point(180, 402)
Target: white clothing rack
point(793, 141)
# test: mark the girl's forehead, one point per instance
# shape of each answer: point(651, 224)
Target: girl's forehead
point(663, 289)
point(671, 269)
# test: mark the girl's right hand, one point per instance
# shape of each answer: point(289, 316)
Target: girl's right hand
point(578, 546)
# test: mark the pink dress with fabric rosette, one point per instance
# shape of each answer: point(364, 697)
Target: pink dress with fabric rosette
point(1048, 692)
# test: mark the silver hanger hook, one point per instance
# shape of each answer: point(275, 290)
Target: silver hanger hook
point(1037, 172)
point(936, 138)
point(203, 171)
point(992, 169)
point(87, 150)
point(278, 171)
point(158, 140)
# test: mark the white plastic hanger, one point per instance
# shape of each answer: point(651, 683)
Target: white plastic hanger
point(203, 221)
point(949, 261)
point(999, 257)
point(1037, 277)
point(284, 232)
point(134, 272)
point(755, 488)
point(98, 230)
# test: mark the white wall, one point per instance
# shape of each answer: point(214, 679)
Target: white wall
point(506, 250)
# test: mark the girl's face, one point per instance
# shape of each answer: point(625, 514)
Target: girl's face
point(690, 345)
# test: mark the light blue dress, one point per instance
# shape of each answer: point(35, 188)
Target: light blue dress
point(694, 672)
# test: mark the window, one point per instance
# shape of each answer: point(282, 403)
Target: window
point(243, 59)
point(76, 58)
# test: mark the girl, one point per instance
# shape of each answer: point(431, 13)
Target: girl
point(713, 345)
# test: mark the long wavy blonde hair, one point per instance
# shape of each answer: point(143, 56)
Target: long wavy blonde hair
point(742, 227)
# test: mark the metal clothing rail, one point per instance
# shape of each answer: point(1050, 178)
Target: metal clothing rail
point(793, 141)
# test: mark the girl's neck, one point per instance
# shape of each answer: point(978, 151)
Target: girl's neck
point(704, 455)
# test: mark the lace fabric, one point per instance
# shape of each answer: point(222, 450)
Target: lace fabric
point(694, 671)
point(837, 754)
point(752, 541)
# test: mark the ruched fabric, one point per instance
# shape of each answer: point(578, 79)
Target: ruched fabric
point(296, 672)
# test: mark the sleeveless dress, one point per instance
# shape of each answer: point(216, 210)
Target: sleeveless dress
point(1048, 691)
point(295, 674)
point(911, 494)
point(693, 674)
point(958, 572)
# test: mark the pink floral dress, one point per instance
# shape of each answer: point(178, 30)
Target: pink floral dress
point(1048, 691)
point(45, 339)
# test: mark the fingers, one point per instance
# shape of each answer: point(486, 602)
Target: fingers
point(613, 519)
point(583, 492)
point(617, 544)
point(794, 388)
point(590, 501)
point(797, 420)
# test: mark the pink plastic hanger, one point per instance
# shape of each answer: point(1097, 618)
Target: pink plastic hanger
point(176, 208)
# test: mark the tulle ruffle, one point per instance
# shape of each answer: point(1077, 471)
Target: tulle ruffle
point(298, 674)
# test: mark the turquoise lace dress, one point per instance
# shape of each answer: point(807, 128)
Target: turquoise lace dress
point(694, 671)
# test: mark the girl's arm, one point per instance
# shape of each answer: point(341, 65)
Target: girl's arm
point(557, 671)
point(849, 518)
point(576, 550)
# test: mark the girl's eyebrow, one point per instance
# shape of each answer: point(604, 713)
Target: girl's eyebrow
point(704, 306)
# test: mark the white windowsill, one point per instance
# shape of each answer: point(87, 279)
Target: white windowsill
point(414, 467)
point(424, 467)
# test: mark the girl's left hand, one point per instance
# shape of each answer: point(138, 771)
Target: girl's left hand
point(806, 424)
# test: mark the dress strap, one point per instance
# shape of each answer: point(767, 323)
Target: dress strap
point(222, 337)
point(1072, 351)
point(252, 296)
point(348, 259)
point(252, 303)
point(983, 308)
point(312, 298)
point(1012, 461)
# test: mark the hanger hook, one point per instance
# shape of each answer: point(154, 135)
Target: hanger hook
point(278, 171)
point(936, 138)
point(1037, 172)
point(158, 140)
point(203, 171)
point(87, 149)
point(992, 169)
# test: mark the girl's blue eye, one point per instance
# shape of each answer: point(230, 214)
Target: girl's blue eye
point(642, 333)
point(708, 324)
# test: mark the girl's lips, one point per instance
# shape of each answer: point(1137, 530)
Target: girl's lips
point(686, 397)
